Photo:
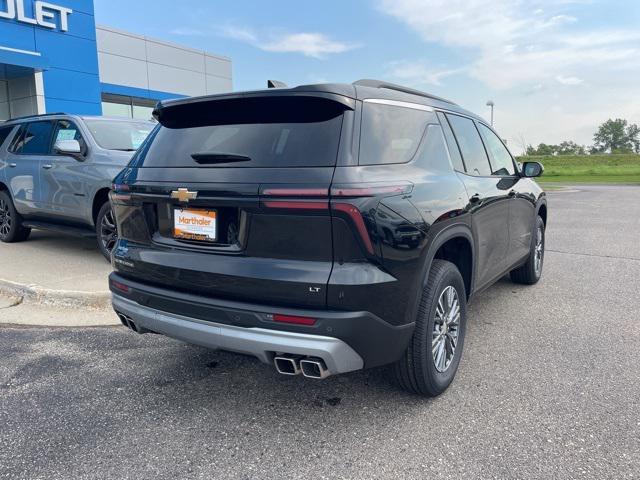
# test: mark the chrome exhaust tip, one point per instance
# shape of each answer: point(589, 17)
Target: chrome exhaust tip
point(314, 368)
point(134, 327)
point(123, 319)
point(130, 324)
point(287, 365)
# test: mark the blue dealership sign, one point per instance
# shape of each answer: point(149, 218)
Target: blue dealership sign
point(59, 39)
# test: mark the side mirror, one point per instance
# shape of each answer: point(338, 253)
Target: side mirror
point(532, 169)
point(68, 147)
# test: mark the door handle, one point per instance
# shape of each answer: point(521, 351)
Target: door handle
point(13, 165)
point(47, 166)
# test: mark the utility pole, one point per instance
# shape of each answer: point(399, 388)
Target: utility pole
point(491, 104)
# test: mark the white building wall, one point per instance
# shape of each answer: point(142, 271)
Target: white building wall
point(140, 62)
point(21, 96)
point(4, 101)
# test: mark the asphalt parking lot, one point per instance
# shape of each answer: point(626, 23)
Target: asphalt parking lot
point(548, 387)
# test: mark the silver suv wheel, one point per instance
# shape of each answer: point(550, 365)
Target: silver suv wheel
point(108, 231)
point(445, 329)
point(5, 218)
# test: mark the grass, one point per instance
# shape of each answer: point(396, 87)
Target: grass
point(573, 169)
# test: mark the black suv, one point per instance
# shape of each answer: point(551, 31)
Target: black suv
point(322, 228)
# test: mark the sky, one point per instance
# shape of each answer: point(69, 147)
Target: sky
point(555, 69)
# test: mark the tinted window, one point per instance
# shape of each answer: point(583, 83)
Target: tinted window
point(66, 130)
point(433, 153)
point(454, 151)
point(36, 140)
point(391, 134)
point(4, 133)
point(261, 132)
point(16, 143)
point(471, 146)
point(119, 135)
point(501, 162)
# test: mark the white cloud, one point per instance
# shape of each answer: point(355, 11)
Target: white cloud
point(420, 73)
point(239, 33)
point(569, 80)
point(188, 32)
point(310, 44)
point(512, 46)
point(525, 55)
point(315, 45)
point(558, 19)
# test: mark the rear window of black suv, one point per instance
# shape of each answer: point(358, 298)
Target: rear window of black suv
point(250, 133)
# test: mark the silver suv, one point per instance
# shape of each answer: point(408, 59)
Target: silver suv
point(56, 172)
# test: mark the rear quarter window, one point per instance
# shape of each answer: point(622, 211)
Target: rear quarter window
point(391, 134)
point(433, 154)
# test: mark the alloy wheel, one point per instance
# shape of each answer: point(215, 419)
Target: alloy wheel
point(539, 251)
point(5, 218)
point(108, 231)
point(446, 329)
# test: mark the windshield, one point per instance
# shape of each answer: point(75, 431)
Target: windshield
point(119, 135)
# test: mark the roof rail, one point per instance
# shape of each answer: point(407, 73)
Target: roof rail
point(399, 88)
point(36, 115)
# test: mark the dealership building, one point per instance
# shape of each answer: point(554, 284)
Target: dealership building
point(53, 58)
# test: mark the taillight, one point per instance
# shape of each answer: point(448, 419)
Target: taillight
point(119, 193)
point(120, 286)
point(120, 187)
point(307, 193)
point(358, 221)
point(293, 319)
point(326, 198)
point(295, 192)
point(297, 205)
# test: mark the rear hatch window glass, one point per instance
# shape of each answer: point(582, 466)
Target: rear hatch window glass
point(248, 133)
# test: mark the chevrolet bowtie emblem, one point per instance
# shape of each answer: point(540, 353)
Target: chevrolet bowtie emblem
point(184, 195)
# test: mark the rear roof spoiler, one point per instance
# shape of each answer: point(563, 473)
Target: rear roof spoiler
point(253, 107)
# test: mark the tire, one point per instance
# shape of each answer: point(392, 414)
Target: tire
point(11, 229)
point(106, 230)
point(420, 370)
point(531, 271)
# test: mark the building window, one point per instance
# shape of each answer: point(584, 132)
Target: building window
point(130, 107)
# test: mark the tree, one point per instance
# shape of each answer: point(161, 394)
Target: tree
point(616, 136)
point(571, 148)
point(633, 132)
point(568, 147)
point(542, 149)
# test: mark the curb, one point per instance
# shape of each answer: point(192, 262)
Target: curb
point(59, 298)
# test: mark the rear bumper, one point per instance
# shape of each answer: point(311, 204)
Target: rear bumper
point(259, 342)
point(346, 341)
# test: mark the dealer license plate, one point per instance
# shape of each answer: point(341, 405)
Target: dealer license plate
point(195, 224)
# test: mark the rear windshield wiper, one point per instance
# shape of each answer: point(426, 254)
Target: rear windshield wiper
point(125, 149)
point(207, 158)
